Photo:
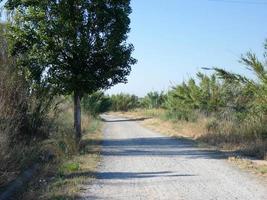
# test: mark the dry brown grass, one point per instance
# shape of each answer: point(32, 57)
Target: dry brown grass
point(223, 135)
point(157, 123)
point(22, 123)
point(258, 167)
point(72, 166)
point(200, 132)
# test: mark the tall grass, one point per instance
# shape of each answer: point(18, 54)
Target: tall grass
point(153, 100)
point(26, 117)
point(71, 163)
point(124, 102)
point(96, 103)
point(34, 127)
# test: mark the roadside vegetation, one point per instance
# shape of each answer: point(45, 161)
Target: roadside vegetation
point(53, 56)
point(57, 58)
point(221, 108)
point(35, 128)
point(73, 166)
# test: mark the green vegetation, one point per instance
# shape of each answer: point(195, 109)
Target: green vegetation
point(184, 100)
point(124, 102)
point(234, 106)
point(52, 54)
point(223, 109)
point(72, 167)
point(46, 51)
point(53, 145)
point(99, 102)
point(96, 103)
point(153, 100)
point(71, 47)
point(227, 110)
point(24, 120)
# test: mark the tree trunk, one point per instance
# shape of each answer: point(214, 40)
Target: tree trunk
point(77, 116)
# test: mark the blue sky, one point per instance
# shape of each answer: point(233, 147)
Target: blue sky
point(174, 39)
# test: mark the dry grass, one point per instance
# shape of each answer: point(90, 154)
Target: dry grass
point(199, 131)
point(23, 122)
point(157, 122)
point(77, 171)
point(180, 128)
point(222, 135)
point(72, 167)
point(258, 167)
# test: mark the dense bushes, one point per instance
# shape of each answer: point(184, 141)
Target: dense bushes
point(96, 103)
point(189, 96)
point(26, 117)
point(124, 102)
point(153, 100)
point(99, 102)
point(35, 126)
point(245, 114)
point(234, 107)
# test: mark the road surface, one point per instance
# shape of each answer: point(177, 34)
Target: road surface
point(141, 164)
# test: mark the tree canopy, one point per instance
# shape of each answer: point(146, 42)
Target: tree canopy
point(72, 45)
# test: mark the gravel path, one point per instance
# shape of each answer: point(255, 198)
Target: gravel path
point(140, 164)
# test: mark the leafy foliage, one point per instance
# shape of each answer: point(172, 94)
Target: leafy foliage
point(153, 100)
point(124, 102)
point(96, 103)
point(24, 120)
point(253, 96)
point(18, 102)
point(189, 96)
point(72, 45)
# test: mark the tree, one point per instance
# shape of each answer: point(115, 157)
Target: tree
point(72, 46)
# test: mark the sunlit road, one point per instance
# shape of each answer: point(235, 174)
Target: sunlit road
point(140, 164)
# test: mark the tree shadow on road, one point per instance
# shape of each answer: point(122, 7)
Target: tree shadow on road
point(158, 146)
point(127, 175)
point(124, 120)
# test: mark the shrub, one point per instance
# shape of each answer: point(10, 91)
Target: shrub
point(24, 111)
point(153, 100)
point(96, 103)
point(124, 102)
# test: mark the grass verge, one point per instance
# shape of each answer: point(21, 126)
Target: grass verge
point(64, 177)
point(257, 167)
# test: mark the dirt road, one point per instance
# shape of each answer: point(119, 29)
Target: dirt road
point(140, 164)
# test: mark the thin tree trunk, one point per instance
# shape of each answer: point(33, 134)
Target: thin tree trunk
point(77, 116)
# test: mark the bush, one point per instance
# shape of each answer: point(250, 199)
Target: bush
point(24, 111)
point(124, 102)
point(96, 103)
point(153, 100)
